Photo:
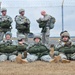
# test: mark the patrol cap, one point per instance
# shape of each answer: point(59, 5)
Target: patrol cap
point(21, 10)
point(8, 33)
point(3, 9)
point(65, 33)
point(37, 37)
point(21, 36)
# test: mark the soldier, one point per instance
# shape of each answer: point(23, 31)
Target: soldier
point(22, 45)
point(38, 51)
point(46, 23)
point(7, 48)
point(22, 24)
point(5, 23)
point(66, 47)
point(22, 49)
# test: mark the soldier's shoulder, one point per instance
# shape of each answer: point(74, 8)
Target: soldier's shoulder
point(8, 16)
point(17, 16)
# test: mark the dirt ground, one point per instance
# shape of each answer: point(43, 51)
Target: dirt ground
point(37, 68)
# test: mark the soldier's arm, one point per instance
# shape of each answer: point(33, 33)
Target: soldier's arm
point(9, 19)
point(27, 20)
point(18, 20)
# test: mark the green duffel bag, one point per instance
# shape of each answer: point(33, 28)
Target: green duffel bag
point(5, 24)
point(8, 49)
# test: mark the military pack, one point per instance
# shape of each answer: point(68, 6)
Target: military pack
point(51, 21)
point(4, 22)
point(39, 50)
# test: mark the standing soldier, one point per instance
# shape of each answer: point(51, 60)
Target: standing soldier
point(46, 23)
point(22, 24)
point(5, 23)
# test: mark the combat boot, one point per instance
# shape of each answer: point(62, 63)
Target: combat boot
point(20, 60)
point(56, 59)
point(65, 61)
point(25, 54)
point(52, 50)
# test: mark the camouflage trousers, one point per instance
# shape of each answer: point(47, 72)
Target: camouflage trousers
point(1, 36)
point(45, 36)
point(68, 56)
point(5, 57)
point(25, 34)
point(33, 57)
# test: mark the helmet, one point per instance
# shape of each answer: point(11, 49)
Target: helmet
point(8, 33)
point(21, 10)
point(37, 37)
point(21, 36)
point(3, 9)
point(65, 33)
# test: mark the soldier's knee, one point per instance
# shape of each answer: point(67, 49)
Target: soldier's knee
point(3, 57)
point(46, 58)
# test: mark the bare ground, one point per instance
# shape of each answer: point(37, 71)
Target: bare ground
point(37, 68)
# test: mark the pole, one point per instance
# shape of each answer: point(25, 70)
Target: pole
point(62, 17)
point(0, 8)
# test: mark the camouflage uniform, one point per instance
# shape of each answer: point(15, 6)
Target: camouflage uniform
point(22, 24)
point(46, 23)
point(38, 51)
point(66, 49)
point(5, 23)
point(7, 49)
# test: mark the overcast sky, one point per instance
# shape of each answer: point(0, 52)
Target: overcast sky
point(52, 7)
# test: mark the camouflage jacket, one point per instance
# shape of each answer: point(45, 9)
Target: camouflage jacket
point(46, 21)
point(5, 21)
point(65, 47)
point(22, 24)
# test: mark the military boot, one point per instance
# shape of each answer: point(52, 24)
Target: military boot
point(25, 54)
point(56, 59)
point(65, 61)
point(20, 60)
point(52, 51)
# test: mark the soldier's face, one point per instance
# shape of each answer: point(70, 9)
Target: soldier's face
point(23, 40)
point(4, 12)
point(65, 38)
point(37, 40)
point(43, 13)
point(8, 37)
point(22, 13)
